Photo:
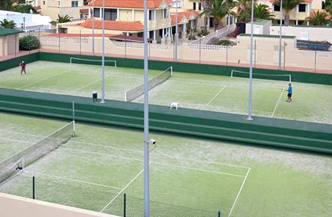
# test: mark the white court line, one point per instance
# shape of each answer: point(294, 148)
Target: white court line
point(73, 180)
point(238, 194)
point(202, 170)
point(106, 146)
point(275, 108)
point(43, 79)
point(96, 153)
point(216, 95)
point(204, 161)
point(125, 187)
point(91, 83)
point(24, 133)
point(155, 153)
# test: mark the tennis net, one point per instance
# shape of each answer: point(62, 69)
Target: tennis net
point(242, 74)
point(75, 60)
point(34, 152)
point(139, 91)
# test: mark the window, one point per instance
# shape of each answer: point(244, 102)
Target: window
point(140, 34)
point(74, 4)
point(300, 22)
point(165, 13)
point(58, 3)
point(199, 6)
point(276, 7)
point(194, 5)
point(43, 2)
point(96, 12)
point(151, 15)
point(111, 14)
point(302, 7)
point(85, 2)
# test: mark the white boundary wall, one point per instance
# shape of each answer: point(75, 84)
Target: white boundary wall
point(13, 206)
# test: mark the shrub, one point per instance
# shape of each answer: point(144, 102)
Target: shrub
point(226, 43)
point(29, 42)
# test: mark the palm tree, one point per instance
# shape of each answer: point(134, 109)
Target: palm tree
point(7, 24)
point(262, 11)
point(61, 19)
point(319, 18)
point(327, 5)
point(287, 6)
point(218, 9)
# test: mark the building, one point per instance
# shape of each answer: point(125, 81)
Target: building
point(76, 9)
point(9, 41)
point(298, 14)
point(27, 22)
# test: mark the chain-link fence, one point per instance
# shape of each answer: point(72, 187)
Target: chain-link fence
point(90, 196)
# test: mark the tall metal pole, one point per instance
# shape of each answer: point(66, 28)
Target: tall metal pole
point(103, 56)
point(146, 116)
point(280, 33)
point(250, 71)
point(93, 27)
point(176, 34)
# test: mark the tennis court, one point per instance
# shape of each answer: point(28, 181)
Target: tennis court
point(311, 102)
point(187, 177)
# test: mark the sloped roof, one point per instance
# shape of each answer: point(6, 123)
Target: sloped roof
point(4, 31)
point(130, 3)
point(186, 14)
point(115, 25)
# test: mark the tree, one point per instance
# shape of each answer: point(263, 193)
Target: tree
point(61, 19)
point(262, 11)
point(243, 10)
point(327, 5)
point(287, 6)
point(218, 9)
point(24, 8)
point(319, 18)
point(29, 42)
point(7, 24)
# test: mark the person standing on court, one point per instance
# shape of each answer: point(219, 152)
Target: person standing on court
point(23, 66)
point(290, 92)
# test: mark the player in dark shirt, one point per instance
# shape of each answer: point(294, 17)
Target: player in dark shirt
point(23, 66)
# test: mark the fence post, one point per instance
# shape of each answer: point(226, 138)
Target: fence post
point(124, 205)
point(33, 187)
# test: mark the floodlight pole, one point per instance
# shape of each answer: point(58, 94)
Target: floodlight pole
point(146, 116)
point(93, 27)
point(176, 34)
point(280, 33)
point(103, 56)
point(251, 58)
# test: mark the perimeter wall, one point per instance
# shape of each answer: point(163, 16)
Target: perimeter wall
point(188, 122)
point(20, 207)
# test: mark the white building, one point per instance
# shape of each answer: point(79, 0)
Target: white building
point(27, 22)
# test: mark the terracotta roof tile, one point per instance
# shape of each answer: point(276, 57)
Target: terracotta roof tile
point(115, 25)
point(130, 3)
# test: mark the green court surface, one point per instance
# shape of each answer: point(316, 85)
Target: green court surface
point(311, 102)
point(187, 177)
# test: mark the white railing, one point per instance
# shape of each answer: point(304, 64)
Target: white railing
point(220, 33)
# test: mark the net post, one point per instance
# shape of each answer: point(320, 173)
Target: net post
point(33, 187)
point(219, 214)
point(124, 205)
point(232, 73)
point(74, 127)
point(171, 70)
